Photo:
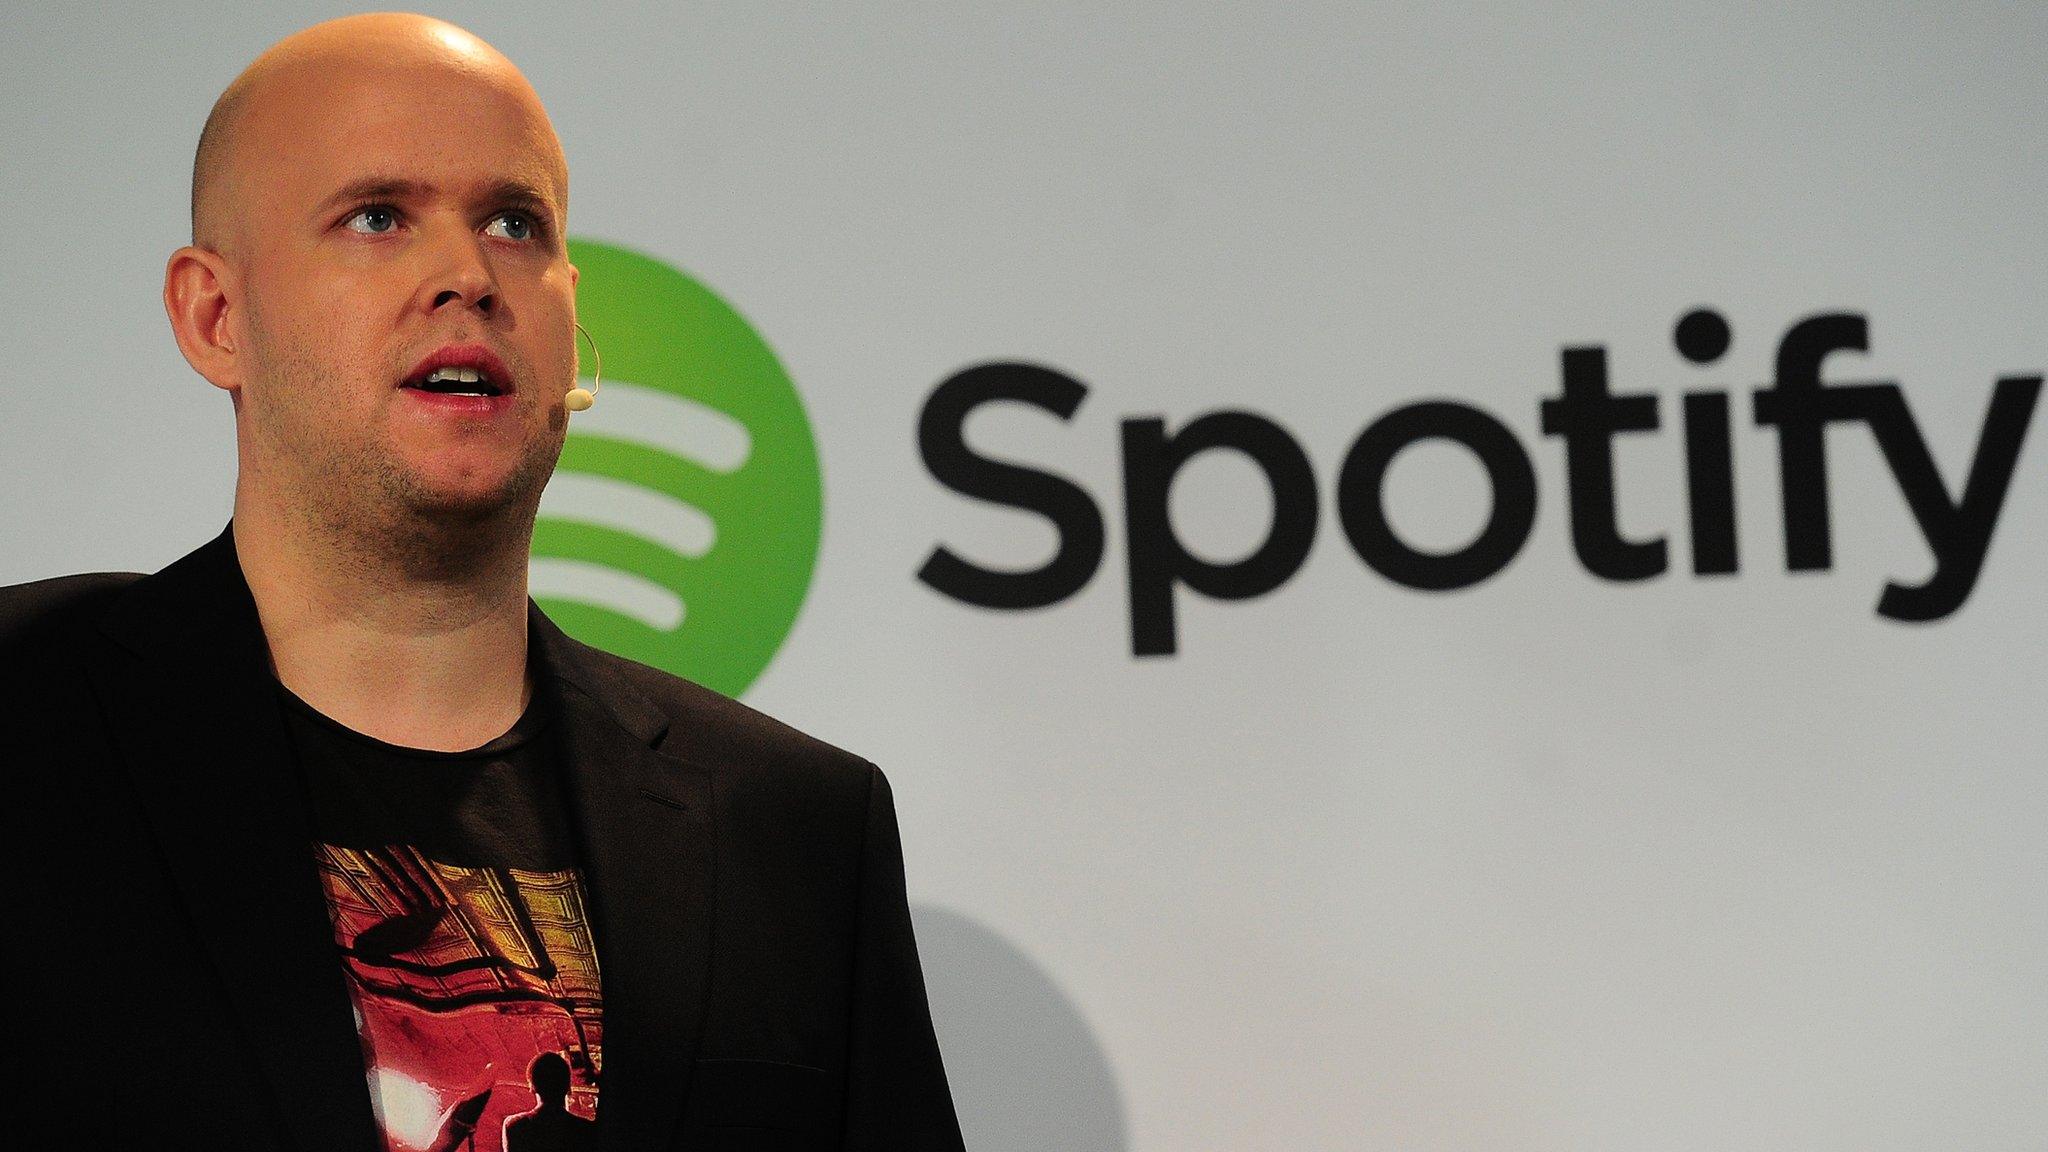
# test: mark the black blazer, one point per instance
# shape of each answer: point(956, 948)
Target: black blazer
point(175, 981)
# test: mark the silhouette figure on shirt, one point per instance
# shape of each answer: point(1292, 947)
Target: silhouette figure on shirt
point(551, 1127)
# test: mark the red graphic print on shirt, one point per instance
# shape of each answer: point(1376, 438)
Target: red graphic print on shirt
point(477, 999)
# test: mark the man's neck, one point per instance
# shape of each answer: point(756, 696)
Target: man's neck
point(415, 638)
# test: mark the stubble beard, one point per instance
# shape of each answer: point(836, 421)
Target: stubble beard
point(377, 511)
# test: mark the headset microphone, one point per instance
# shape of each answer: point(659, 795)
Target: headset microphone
point(580, 399)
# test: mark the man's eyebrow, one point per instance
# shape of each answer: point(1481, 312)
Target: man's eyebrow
point(517, 193)
point(374, 188)
point(520, 194)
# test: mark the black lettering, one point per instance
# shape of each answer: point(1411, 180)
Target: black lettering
point(1710, 482)
point(1588, 417)
point(1361, 506)
point(1800, 408)
point(941, 440)
point(1958, 532)
point(1158, 560)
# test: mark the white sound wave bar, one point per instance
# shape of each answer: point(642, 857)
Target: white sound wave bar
point(674, 424)
point(587, 498)
point(623, 592)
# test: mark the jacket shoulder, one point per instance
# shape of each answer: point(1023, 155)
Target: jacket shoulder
point(710, 726)
point(46, 613)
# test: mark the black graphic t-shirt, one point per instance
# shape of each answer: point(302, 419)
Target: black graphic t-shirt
point(451, 880)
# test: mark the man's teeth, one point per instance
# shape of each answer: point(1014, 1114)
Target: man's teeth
point(459, 381)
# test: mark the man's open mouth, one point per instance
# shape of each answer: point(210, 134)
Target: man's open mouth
point(457, 382)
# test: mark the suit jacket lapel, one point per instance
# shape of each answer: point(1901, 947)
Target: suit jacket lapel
point(193, 715)
point(644, 820)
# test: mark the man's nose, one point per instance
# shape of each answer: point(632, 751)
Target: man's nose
point(463, 277)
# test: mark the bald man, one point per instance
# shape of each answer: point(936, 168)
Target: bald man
point(324, 837)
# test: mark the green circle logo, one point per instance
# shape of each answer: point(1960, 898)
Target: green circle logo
point(681, 527)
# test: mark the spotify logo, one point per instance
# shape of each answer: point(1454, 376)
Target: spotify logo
point(1587, 415)
point(681, 526)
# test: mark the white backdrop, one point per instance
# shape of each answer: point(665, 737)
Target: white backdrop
point(1551, 863)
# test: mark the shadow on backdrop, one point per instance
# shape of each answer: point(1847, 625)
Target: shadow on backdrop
point(1026, 1070)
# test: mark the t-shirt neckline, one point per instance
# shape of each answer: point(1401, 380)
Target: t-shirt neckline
point(521, 733)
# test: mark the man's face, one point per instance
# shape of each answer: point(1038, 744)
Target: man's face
point(390, 217)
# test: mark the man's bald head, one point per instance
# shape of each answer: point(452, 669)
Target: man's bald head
point(323, 55)
point(372, 194)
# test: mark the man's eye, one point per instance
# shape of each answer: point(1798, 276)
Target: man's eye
point(516, 226)
point(373, 221)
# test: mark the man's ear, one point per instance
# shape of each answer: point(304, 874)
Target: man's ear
point(196, 298)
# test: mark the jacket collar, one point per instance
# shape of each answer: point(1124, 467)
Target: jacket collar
point(645, 824)
point(196, 720)
point(198, 729)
